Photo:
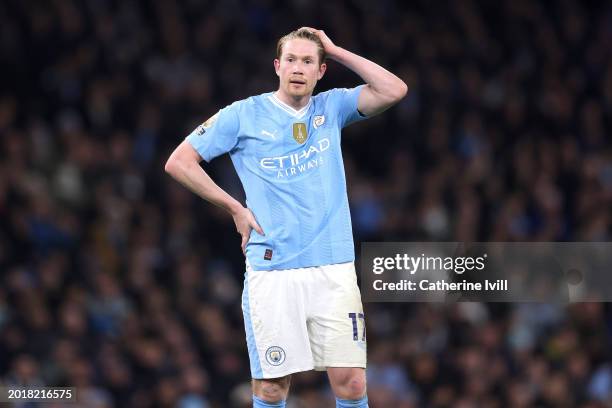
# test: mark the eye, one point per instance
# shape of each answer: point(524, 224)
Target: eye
point(308, 61)
point(290, 59)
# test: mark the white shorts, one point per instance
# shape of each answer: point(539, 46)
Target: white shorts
point(303, 319)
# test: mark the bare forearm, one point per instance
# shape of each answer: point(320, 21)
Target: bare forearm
point(192, 176)
point(184, 166)
point(378, 78)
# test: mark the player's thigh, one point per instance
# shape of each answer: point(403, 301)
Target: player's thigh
point(275, 324)
point(337, 324)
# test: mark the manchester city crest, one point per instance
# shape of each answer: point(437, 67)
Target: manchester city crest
point(318, 120)
point(275, 356)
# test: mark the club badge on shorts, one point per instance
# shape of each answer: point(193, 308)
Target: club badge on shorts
point(300, 132)
point(275, 356)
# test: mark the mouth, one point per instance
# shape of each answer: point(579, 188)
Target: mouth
point(297, 82)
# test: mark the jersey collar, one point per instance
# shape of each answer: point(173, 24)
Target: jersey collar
point(298, 113)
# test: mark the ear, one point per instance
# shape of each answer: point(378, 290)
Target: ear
point(322, 69)
point(276, 66)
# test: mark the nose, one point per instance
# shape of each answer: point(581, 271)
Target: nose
point(296, 69)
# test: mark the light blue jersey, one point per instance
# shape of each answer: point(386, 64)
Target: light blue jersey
point(290, 165)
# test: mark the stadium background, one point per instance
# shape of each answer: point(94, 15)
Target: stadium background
point(116, 280)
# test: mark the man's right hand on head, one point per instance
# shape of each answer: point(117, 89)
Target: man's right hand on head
point(245, 221)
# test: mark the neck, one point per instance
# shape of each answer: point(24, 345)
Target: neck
point(296, 102)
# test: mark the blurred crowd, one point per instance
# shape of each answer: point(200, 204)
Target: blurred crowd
point(118, 281)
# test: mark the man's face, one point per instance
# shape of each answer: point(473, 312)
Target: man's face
point(298, 68)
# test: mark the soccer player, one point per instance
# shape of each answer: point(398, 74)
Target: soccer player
point(302, 306)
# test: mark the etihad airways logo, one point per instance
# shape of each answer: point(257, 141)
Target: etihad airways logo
point(299, 162)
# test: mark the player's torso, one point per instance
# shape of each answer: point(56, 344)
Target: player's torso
point(284, 145)
point(291, 168)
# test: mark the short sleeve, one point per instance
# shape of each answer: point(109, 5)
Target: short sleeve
point(346, 100)
point(218, 135)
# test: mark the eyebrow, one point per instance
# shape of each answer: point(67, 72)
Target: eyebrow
point(303, 57)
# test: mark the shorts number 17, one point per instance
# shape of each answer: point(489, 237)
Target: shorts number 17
point(354, 317)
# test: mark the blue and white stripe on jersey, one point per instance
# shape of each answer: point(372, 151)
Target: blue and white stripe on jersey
point(290, 165)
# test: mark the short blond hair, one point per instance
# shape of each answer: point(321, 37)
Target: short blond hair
point(305, 34)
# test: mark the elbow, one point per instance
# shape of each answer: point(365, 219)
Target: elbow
point(400, 91)
point(404, 89)
point(396, 91)
point(182, 160)
point(171, 166)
